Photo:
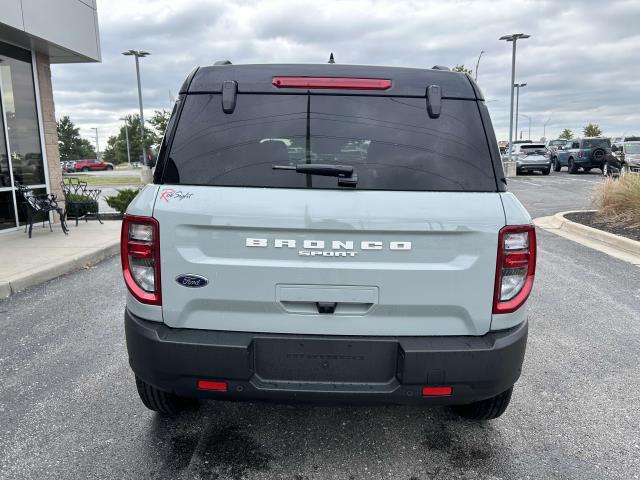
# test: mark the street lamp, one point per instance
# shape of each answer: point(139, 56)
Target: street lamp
point(517, 87)
point(477, 65)
point(528, 118)
point(544, 130)
point(97, 144)
point(512, 38)
point(126, 135)
point(140, 54)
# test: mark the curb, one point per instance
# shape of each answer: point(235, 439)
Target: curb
point(623, 248)
point(53, 270)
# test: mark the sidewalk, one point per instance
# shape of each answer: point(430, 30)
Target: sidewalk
point(25, 262)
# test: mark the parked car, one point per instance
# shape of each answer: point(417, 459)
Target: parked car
point(398, 276)
point(584, 153)
point(628, 157)
point(91, 165)
point(531, 157)
point(552, 145)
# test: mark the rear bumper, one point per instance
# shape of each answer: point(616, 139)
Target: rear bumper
point(533, 165)
point(258, 366)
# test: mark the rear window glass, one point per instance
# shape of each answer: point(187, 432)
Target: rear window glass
point(533, 146)
point(391, 142)
point(596, 142)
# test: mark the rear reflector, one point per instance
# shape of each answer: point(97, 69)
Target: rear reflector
point(332, 83)
point(211, 385)
point(436, 391)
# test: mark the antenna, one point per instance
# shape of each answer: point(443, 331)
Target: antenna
point(331, 59)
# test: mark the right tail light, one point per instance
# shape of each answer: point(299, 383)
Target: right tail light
point(140, 251)
point(515, 267)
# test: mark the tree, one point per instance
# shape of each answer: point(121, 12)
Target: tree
point(159, 122)
point(116, 150)
point(70, 144)
point(566, 134)
point(461, 68)
point(592, 130)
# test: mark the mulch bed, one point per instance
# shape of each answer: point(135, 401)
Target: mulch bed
point(590, 219)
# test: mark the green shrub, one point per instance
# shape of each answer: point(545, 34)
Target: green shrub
point(122, 199)
point(79, 205)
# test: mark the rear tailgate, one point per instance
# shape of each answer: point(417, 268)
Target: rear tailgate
point(406, 263)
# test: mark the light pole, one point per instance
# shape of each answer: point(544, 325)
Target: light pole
point(97, 144)
point(477, 65)
point(138, 54)
point(126, 136)
point(544, 130)
point(528, 118)
point(518, 86)
point(512, 38)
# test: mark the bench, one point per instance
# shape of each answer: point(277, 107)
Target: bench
point(37, 207)
point(79, 200)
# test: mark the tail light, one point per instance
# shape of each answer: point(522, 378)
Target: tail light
point(515, 267)
point(547, 154)
point(140, 251)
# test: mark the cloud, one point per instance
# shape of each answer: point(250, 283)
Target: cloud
point(580, 63)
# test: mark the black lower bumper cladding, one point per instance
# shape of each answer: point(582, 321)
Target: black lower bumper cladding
point(324, 368)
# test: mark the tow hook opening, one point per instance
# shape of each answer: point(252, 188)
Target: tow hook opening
point(327, 308)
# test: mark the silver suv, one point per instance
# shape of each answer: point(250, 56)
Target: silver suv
point(328, 233)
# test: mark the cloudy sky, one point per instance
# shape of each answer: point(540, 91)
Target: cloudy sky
point(581, 64)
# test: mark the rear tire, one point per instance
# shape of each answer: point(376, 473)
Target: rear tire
point(485, 409)
point(588, 169)
point(85, 169)
point(109, 167)
point(161, 401)
point(556, 165)
point(546, 171)
point(572, 166)
point(606, 171)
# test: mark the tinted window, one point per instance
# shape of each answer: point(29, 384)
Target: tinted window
point(596, 142)
point(18, 97)
point(392, 143)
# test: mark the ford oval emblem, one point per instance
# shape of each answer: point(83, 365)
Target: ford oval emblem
point(191, 280)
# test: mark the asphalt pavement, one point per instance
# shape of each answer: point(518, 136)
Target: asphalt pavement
point(69, 408)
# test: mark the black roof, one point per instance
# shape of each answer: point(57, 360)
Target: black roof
point(410, 82)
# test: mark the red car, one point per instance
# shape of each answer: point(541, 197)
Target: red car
point(91, 165)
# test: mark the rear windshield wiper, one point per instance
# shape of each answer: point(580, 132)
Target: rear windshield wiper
point(346, 176)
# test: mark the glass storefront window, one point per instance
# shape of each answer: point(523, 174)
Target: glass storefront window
point(18, 98)
point(7, 212)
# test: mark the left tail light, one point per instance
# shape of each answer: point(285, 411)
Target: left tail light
point(515, 267)
point(140, 252)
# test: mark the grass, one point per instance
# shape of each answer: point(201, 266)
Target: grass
point(618, 200)
point(110, 180)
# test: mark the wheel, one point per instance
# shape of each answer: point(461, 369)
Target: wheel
point(556, 164)
point(587, 169)
point(606, 171)
point(572, 166)
point(161, 401)
point(85, 169)
point(109, 167)
point(546, 171)
point(485, 409)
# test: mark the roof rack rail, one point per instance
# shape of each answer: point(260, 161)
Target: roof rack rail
point(440, 67)
point(223, 62)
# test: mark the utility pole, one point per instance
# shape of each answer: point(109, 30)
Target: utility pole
point(512, 38)
point(126, 136)
point(97, 144)
point(518, 86)
point(146, 174)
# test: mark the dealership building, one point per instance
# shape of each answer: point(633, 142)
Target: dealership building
point(33, 35)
